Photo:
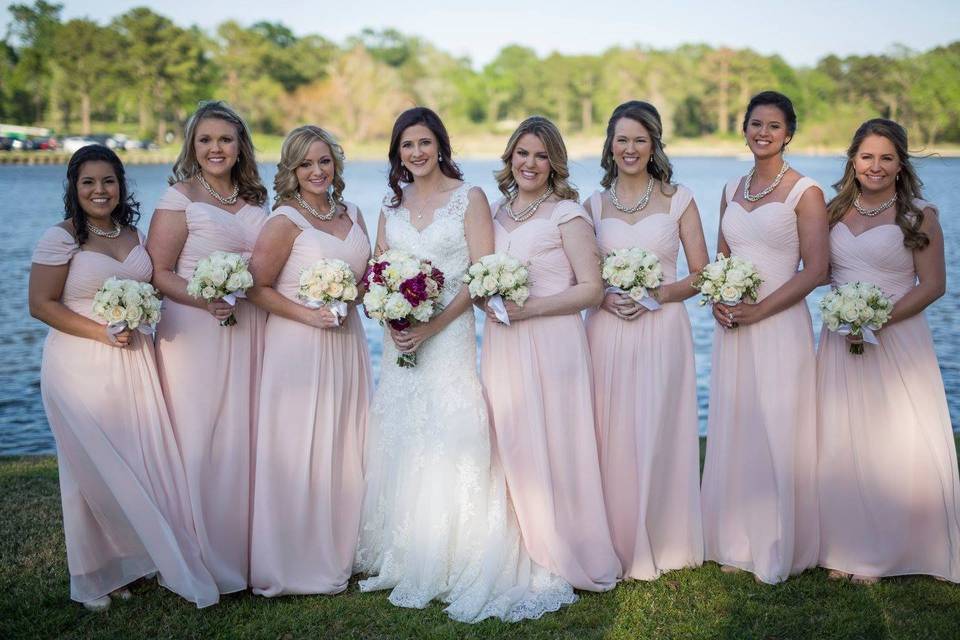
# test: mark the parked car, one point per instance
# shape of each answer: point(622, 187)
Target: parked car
point(73, 143)
point(6, 144)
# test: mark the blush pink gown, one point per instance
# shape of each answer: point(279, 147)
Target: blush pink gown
point(210, 382)
point(644, 380)
point(889, 491)
point(536, 374)
point(126, 512)
point(759, 479)
point(313, 414)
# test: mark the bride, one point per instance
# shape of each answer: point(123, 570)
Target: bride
point(437, 521)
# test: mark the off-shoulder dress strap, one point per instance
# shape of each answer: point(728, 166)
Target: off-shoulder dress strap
point(798, 190)
point(293, 215)
point(56, 247)
point(567, 210)
point(680, 201)
point(596, 207)
point(173, 200)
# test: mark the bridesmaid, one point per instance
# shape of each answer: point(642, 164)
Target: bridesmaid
point(889, 492)
point(209, 372)
point(536, 371)
point(643, 369)
point(759, 479)
point(315, 382)
point(126, 513)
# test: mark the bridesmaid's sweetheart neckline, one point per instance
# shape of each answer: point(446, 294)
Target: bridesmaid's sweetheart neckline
point(522, 224)
point(857, 235)
point(220, 209)
point(639, 220)
point(107, 255)
point(333, 235)
point(758, 207)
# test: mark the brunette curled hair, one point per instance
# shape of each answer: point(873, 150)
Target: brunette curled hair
point(400, 174)
point(127, 211)
point(647, 115)
point(778, 100)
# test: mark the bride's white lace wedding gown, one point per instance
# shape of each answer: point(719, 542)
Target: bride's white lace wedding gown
point(437, 521)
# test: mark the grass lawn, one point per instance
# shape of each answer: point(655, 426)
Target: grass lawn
point(695, 603)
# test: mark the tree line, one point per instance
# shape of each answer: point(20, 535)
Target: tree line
point(143, 68)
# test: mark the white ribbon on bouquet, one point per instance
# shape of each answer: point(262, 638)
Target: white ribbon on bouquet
point(338, 308)
point(495, 302)
point(118, 327)
point(646, 301)
point(865, 332)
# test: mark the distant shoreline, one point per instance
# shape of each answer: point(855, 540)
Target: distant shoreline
point(470, 148)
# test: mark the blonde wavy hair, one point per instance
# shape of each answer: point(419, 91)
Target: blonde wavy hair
point(552, 141)
point(244, 172)
point(294, 150)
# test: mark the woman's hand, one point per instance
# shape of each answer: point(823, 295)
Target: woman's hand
point(410, 339)
point(323, 318)
point(514, 311)
point(220, 309)
point(119, 340)
point(622, 306)
point(739, 314)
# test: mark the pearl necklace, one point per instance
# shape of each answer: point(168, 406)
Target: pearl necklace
point(876, 210)
point(228, 200)
point(97, 231)
point(768, 190)
point(530, 209)
point(641, 203)
point(316, 213)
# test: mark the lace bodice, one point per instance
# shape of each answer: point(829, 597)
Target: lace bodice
point(442, 242)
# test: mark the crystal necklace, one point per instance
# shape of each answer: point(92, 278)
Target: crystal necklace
point(231, 199)
point(530, 209)
point(97, 231)
point(876, 210)
point(316, 213)
point(768, 190)
point(641, 203)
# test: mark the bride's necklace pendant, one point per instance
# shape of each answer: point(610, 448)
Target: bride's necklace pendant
point(763, 194)
point(316, 213)
point(874, 211)
point(97, 231)
point(227, 200)
point(641, 203)
point(530, 209)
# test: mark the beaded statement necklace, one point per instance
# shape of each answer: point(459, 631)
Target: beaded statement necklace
point(773, 185)
point(316, 213)
point(530, 209)
point(641, 203)
point(227, 200)
point(874, 211)
point(97, 231)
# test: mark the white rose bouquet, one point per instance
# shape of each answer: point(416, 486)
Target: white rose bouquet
point(633, 272)
point(221, 275)
point(498, 276)
point(127, 304)
point(329, 283)
point(402, 289)
point(856, 308)
point(728, 280)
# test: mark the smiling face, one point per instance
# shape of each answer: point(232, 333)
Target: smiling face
point(766, 131)
point(315, 172)
point(632, 146)
point(419, 152)
point(216, 146)
point(530, 164)
point(876, 165)
point(98, 189)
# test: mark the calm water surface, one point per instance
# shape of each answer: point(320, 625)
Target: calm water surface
point(32, 200)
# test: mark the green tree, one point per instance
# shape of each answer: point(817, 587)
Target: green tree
point(33, 33)
point(85, 59)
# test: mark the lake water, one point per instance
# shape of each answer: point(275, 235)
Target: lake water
point(32, 200)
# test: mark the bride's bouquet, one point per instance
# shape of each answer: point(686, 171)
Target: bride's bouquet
point(402, 289)
point(127, 304)
point(329, 283)
point(633, 272)
point(498, 276)
point(221, 275)
point(728, 281)
point(856, 308)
